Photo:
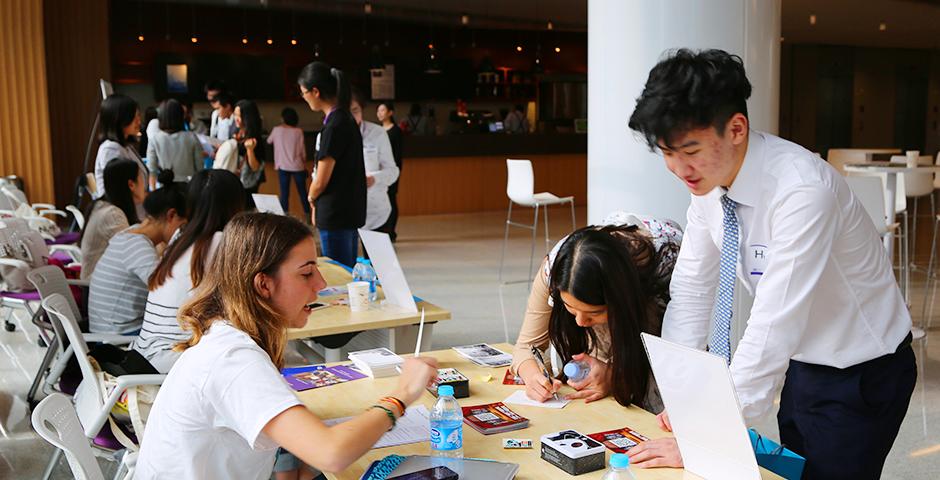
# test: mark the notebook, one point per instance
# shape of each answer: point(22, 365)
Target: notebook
point(469, 468)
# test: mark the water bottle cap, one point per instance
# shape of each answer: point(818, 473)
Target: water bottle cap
point(620, 460)
point(572, 369)
point(359, 259)
point(445, 390)
point(367, 261)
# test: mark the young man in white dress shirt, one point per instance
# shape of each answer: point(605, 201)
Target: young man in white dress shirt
point(828, 322)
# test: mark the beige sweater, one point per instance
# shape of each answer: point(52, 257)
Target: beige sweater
point(104, 222)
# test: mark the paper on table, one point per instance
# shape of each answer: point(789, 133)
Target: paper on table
point(267, 203)
point(388, 269)
point(414, 427)
point(519, 398)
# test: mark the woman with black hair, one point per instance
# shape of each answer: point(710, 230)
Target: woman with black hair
point(385, 113)
point(118, 130)
point(251, 157)
point(290, 155)
point(113, 212)
point(118, 288)
point(213, 197)
point(595, 292)
point(338, 191)
point(177, 150)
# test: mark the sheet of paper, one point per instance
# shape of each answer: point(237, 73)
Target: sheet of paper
point(519, 398)
point(267, 203)
point(388, 269)
point(414, 427)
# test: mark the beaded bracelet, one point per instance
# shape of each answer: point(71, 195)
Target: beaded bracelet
point(391, 415)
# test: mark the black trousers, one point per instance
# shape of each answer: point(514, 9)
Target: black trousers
point(392, 221)
point(844, 421)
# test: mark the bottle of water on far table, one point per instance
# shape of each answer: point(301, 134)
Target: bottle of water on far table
point(363, 272)
point(577, 371)
point(619, 468)
point(446, 425)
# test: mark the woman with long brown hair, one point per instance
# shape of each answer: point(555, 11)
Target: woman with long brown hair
point(225, 406)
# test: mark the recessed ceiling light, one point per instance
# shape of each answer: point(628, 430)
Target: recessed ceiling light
point(882, 26)
point(812, 19)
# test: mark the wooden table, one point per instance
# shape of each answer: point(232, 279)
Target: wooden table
point(353, 397)
point(340, 319)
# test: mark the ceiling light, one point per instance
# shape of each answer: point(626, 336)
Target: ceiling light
point(465, 19)
point(557, 49)
point(194, 39)
point(518, 48)
point(140, 38)
point(367, 8)
point(244, 40)
point(883, 26)
point(812, 19)
point(293, 41)
point(270, 42)
point(550, 25)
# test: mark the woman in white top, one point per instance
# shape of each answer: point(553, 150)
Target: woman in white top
point(381, 171)
point(176, 150)
point(119, 127)
point(113, 212)
point(213, 198)
point(225, 407)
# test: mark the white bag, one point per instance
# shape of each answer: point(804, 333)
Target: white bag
point(132, 408)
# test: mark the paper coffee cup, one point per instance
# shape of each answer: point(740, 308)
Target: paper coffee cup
point(358, 296)
point(912, 157)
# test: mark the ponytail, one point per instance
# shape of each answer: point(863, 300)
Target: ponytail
point(330, 82)
point(343, 91)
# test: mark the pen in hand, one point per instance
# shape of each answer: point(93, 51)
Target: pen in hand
point(538, 358)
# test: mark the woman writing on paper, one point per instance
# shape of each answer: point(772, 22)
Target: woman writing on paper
point(593, 295)
point(225, 407)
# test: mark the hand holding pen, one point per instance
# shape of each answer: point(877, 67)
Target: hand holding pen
point(550, 384)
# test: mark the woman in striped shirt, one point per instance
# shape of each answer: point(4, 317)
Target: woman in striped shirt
point(118, 287)
point(214, 197)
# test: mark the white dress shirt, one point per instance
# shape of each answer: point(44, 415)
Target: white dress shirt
point(380, 164)
point(824, 290)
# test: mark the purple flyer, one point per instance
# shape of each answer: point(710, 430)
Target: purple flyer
point(316, 376)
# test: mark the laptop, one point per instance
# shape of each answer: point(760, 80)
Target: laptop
point(703, 408)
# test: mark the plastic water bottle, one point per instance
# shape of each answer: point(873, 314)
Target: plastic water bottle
point(577, 371)
point(619, 468)
point(446, 425)
point(363, 272)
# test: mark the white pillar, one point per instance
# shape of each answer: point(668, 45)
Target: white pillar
point(626, 38)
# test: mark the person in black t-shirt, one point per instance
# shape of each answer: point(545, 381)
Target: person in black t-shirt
point(338, 192)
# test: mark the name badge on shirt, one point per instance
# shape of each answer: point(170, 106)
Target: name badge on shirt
point(758, 255)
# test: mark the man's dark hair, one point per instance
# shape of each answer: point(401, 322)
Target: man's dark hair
point(690, 90)
point(289, 115)
point(225, 100)
point(217, 85)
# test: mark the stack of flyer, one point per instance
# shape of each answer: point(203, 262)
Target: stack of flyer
point(484, 355)
point(377, 362)
point(493, 418)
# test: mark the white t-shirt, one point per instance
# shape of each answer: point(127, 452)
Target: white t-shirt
point(207, 420)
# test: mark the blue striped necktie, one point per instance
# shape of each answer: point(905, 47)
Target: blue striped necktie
point(721, 338)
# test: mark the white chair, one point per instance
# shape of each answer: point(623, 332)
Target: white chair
point(520, 187)
point(54, 419)
point(869, 191)
point(917, 185)
point(838, 158)
point(50, 280)
point(93, 411)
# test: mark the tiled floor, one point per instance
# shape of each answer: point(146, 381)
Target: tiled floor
point(452, 261)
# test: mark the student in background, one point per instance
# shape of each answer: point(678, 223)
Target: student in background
point(290, 153)
point(147, 131)
point(516, 121)
point(176, 150)
point(595, 292)
point(212, 199)
point(338, 191)
point(250, 151)
point(118, 287)
point(225, 122)
point(381, 170)
point(226, 408)
point(118, 130)
point(386, 115)
point(213, 89)
point(112, 212)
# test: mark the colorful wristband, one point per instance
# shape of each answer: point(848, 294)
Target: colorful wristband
point(388, 412)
